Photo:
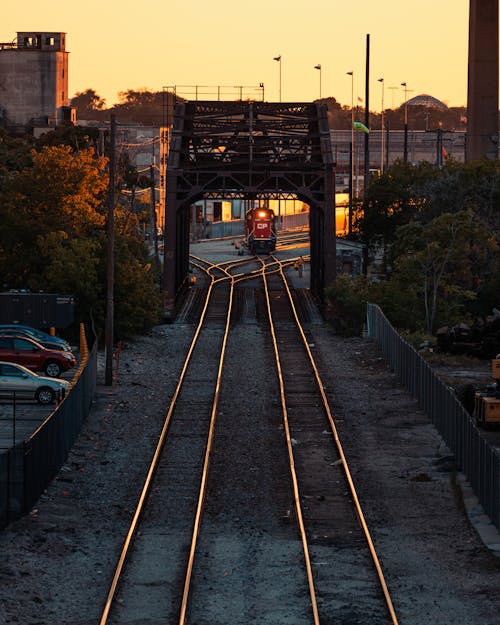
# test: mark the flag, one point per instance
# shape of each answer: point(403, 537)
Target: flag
point(360, 99)
point(360, 126)
point(444, 153)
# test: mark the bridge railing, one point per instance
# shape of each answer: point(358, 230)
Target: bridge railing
point(236, 227)
point(474, 455)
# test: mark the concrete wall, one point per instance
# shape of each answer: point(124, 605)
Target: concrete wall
point(33, 82)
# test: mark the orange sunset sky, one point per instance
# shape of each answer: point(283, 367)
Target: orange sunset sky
point(118, 45)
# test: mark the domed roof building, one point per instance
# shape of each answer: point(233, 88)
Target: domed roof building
point(428, 101)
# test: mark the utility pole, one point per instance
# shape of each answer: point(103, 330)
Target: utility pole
point(153, 224)
point(367, 117)
point(382, 130)
point(405, 146)
point(109, 327)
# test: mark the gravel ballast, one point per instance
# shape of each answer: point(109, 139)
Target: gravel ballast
point(57, 560)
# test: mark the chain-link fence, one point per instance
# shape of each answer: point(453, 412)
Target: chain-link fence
point(27, 467)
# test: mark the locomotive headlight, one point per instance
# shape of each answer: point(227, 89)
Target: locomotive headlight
point(262, 214)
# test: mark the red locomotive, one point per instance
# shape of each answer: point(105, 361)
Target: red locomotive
point(260, 230)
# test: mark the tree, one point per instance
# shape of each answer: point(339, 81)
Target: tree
point(474, 185)
point(137, 295)
point(88, 104)
point(392, 200)
point(53, 219)
point(53, 237)
point(76, 137)
point(144, 106)
point(437, 259)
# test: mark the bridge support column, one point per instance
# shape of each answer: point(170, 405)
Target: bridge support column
point(329, 231)
point(170, 249)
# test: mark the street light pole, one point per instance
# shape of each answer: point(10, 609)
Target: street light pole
point(318, 66)
point(278, 58)
point(381, 80)
point(351, 74)
point(405, 149)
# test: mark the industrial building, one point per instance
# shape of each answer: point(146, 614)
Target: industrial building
point(34, 83)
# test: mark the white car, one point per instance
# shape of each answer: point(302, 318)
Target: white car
point(18, 382)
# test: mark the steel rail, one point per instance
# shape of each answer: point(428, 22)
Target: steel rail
point(347, 472)
point(224, 268)
point(208, 451)
point(296, 493)
point(154, 463)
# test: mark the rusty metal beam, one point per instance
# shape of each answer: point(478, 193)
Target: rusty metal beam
point(249, 150)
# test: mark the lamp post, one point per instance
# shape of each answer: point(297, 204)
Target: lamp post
point(405, 149)
point(381, 81)
point(318, 67)
point(351, 191)
point(278, 58)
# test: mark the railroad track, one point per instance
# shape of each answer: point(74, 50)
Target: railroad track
point(220, 533)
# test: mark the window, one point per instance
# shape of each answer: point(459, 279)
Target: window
point(11, 371)
point(23, 345)
point(49, 41)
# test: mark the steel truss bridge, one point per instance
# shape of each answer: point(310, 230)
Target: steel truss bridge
point(249, 150)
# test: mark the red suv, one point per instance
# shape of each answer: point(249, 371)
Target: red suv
point(25, 351)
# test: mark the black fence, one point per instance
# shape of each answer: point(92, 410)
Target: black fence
point(27, 468)
point(474, 456)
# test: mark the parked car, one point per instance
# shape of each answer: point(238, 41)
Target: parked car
point(18, 382)
point(47, 340)
point(30, 354)
point(49, 344)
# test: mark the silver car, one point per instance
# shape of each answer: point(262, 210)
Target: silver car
point(18, 382)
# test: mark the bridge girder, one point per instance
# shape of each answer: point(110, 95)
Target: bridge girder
point(249, 150)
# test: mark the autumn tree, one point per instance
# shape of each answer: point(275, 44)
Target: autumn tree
point(53, 238)
point(76, 137)
point(52, 217)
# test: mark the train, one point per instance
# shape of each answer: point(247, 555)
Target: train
point(260, 230)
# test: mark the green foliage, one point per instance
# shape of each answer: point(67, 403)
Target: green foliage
point(15, 154)
point(76, 137)
point(137, 294)
point(53, 219)
point(392, 200)
point(346, 304)
point(435, 258)
point(417, 337)
point(438, 231)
